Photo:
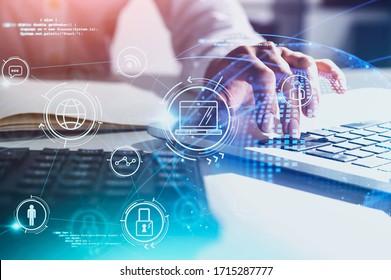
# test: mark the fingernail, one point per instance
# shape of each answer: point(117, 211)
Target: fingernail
point(267, 122)
point(294, 129)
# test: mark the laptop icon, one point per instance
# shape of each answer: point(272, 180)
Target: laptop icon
point(198, 118)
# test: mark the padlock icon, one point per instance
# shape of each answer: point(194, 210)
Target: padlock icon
point(144, 225)
point(297, 92)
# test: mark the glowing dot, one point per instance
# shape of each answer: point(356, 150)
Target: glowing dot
point(16, 226)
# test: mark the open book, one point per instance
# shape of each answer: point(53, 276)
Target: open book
point(123, 106)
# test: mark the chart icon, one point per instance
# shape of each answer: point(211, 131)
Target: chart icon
point(125, 161)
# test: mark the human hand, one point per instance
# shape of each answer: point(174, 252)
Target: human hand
point(252, 75)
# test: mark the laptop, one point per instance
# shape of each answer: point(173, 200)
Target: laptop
point(348, 142)
point(198, 118)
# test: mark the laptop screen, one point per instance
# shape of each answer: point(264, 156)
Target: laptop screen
point(200, 114)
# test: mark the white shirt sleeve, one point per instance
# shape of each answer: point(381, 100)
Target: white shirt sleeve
point(204, 29)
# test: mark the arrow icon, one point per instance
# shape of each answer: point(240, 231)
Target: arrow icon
point(216, 158)
point(42, 127)
point(146, 246)
point(189, 80)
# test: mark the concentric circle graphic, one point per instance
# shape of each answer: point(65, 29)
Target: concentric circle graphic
point(32, 215)
point(296, 91)
point(15, 70)
point(131, 62)
point(125, 161)
point(145, 223)
point(70, 115)
point(204, 122)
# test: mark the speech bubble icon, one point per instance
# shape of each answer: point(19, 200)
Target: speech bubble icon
point(15, 71)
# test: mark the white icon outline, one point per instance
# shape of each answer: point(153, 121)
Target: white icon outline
point(200, 129)
point(132, 61)
point(11, 80)
point(125, 159)
point(223, 136)
point(144, 223)
point(63, 92)
point(294, 79)
point(297, 87)
point(157, 237)
point(216, 91)
point(46, 211)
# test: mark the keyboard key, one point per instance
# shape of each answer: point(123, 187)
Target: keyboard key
point(377, 138)
point(41, 166)
point(386, 145)
point(371, 162)
point(376, 129)
point(347, 135)
point(307, 145)
point(37, 173)
point(385, 168)
point(87, 159)
point(374, 149)
point(297, 145)
point(347, 146)
point(387, 134)
point(90, 152)
point(363, 142)
point(335, 140)
point(331, 149)
point(385, 125)
point(46, 158)
point(385, 155)
point(48, 151)
point(359, 153)
point(362, 132)
point(13, 154)
point(337, 157)
point(321, 132)
point(359, 125)
point(339, 129)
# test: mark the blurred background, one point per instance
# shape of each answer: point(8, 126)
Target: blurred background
point(360, 27)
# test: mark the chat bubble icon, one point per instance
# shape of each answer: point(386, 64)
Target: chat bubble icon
point(15, 71)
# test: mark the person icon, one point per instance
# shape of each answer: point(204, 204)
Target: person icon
point(31, 215)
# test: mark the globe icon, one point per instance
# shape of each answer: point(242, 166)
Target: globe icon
point(70, 114)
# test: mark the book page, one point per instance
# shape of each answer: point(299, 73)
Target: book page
point(121, 103)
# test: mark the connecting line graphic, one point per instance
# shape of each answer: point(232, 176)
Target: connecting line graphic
point(42, 82)
point(333, 17)
point(146, 181)
point(157, 80)
point(73, 64)
point(47, 177)
point(168, 178)
point(379, 59)
point(136, 190)
point(7, 230)
point(134, 186)
point(83, 221)
point(20, 144)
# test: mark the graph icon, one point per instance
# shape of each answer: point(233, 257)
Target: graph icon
point(125, 161)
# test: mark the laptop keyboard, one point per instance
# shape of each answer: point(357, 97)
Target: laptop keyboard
point(84, 177)
point(365, 144)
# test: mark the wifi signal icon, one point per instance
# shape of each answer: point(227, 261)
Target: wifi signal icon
point(132, 61)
